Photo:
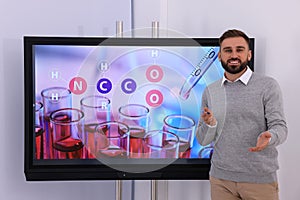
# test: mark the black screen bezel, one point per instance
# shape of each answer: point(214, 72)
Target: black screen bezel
point(182, 169)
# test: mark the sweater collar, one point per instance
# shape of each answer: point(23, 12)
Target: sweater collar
point(244, 78)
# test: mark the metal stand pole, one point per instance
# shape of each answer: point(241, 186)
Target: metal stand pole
point(155, 29)
point(155, 34)
point(118, 190)
point(119, 28)
point(154, 190)
point(132, 190)
point(119, 33)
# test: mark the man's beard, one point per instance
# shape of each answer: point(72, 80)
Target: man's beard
point(234, 69)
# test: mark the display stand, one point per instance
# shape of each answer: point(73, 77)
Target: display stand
point(119, 33)
point(154, 183)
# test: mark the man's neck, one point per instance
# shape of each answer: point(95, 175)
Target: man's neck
point(233, 77)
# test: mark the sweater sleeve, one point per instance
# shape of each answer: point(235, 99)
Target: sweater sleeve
point(205, 134)
point(274, 114)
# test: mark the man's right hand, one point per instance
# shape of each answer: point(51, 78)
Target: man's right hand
point(208, 117)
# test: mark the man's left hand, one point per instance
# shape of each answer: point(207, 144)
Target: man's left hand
point(262, 142)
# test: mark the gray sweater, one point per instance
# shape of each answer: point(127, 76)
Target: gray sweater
point(243, 112)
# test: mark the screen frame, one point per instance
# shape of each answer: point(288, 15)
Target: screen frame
point(181, 169)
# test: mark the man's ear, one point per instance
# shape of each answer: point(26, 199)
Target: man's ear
point(249, 55)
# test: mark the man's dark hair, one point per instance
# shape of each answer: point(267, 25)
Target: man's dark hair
point(234, 33)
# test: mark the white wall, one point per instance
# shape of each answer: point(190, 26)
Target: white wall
point(276, 27)
point(34, 17)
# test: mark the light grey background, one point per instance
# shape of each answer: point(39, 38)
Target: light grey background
point(274, 24)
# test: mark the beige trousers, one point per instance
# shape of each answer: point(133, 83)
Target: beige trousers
point(229, 190)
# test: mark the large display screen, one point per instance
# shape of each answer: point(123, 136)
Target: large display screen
point(113, 108)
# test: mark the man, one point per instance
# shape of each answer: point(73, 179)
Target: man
point(243, 117)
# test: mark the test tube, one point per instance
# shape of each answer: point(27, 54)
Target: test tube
point(54, 98)
point(198, 72)
point(67, 133)
point(161, 144)
point(184, 127)
point(136, 116)
point(112, 140)
point(39, 131)
point(96, 109)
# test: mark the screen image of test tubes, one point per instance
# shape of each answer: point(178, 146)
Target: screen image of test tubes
point(176, 96)
point(69, 133)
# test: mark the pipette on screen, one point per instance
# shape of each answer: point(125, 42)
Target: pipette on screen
point(198, 72)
